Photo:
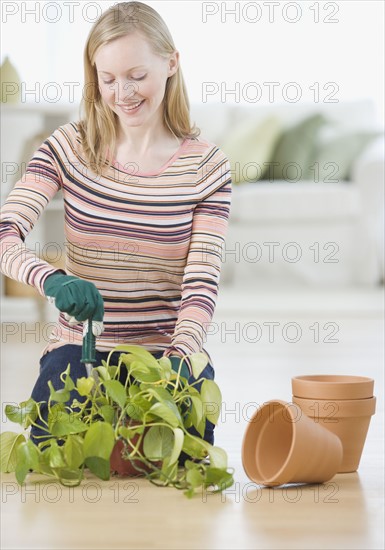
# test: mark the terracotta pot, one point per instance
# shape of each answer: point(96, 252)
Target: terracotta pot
point(328, 386)
point(130, 468)
point(349, 419)
point(122, 467)
point(282, 445)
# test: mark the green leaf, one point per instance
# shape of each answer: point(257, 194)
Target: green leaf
point(196, 410)
point(191, 390)
point(168, 411)
point(55, 411)
point(164, 362)
point(70, 478)
point(165, 398)
point(218, 477)
point(112, 371)
point(140, 353)
point(62, 423)
point(201, 427)
point(194, 477)
point(165, 368)
point(44, 466)
point(116, 391)
point(27, 458)
point(198, 363)
point(189, 493)
point(104, 373)
point(168, 471)
point(55, 455)
point(187, 421)
point(212, 399)
point(128, 432)
point(57, 408)
point(138, 407)
point(73, 451)
point(99, 466)
point(100, 399)
point(195, 446)
point(160, 394)
point(178, 444)
point(9, 443)
point(108, 413)
point(13, 413)
point(218, 457)
point(158, 442)
point(61, 396)
point(145, 373)
point(133, 390)
point(99, 441)
point(24, 414)
point(65, 377)
point(84, 385)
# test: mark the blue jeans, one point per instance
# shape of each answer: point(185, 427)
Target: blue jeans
point(53, 363)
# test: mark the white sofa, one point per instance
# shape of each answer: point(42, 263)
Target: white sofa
point(304, 233)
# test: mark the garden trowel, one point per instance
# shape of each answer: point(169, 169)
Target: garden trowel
point(88, 349)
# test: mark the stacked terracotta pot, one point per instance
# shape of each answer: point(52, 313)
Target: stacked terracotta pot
point(341, 404)
point(321, 433)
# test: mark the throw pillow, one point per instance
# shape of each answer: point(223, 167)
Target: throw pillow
point(335, 158)
point(295, 150)
point(249, 147)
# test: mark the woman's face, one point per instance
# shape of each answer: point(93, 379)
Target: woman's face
point(129, 73)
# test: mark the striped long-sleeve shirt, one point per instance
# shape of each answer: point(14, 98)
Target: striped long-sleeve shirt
point(151, 242)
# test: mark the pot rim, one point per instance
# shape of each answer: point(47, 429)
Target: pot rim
point(288, 468)
point(336, 386)
point(254, 471)
point(336, 378)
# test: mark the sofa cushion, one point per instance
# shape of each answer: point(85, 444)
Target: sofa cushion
point(295, 150)
point(250, 146)
point(358, 114)
point(300, 201)
point(336, 157)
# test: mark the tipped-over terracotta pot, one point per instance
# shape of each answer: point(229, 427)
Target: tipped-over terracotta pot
point(349, 419)
point(282, 445)
point(332, 386)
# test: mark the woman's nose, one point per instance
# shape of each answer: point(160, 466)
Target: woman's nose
point(125, 92)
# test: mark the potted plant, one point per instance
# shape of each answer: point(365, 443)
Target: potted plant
point(140, 427)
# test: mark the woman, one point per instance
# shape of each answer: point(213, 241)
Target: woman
point(146, 206)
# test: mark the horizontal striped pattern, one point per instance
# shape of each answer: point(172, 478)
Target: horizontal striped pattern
point(150, 242)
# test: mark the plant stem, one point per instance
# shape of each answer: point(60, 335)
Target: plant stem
point(41, 427)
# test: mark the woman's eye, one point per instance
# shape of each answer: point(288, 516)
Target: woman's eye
point(111, 81)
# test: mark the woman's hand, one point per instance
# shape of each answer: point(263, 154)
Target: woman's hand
point(78, 299)
point(175, 363)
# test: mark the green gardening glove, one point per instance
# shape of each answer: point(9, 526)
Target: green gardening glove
point(175, 362)
point(74, 296)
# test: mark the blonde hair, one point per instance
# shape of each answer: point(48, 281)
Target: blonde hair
point(98, 125)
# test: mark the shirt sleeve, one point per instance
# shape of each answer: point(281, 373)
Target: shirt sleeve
point(202, 271)
point(19, 213)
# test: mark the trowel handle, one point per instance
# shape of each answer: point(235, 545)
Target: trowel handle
point(88, 348)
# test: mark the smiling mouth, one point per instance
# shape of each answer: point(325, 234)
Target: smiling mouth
point(132, 107)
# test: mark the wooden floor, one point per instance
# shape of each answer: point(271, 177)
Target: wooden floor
point(346, 513)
